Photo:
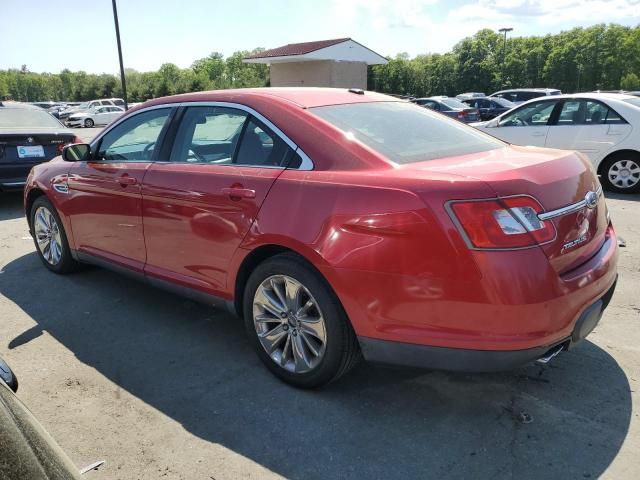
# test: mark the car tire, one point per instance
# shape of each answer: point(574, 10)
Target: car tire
point(88, 123)
point(305, 349)
point(50, 238)
point(620, 173)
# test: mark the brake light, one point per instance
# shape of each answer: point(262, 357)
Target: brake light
point(62, 145)
point(503, 223)
point(462, 114)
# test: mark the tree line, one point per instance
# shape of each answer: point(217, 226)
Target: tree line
point(601, 57)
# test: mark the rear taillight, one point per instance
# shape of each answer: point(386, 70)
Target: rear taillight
point(462, 114)
point(502, 223)
point(62, 145)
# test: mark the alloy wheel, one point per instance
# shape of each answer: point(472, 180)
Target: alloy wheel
point(624, 173)
point(289, 324)
point(48, 236)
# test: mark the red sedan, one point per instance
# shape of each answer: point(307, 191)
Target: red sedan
point(339, 223)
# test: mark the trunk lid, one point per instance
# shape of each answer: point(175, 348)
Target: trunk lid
point(23, 146)
point(556, 179)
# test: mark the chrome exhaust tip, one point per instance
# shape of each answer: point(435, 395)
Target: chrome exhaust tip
point(553, 352)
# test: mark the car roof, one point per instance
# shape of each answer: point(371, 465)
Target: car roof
point(304, 97)
point(601, 95)
point(528, 90)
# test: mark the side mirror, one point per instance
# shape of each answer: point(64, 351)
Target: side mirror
point(7, 376)
point(78, 152)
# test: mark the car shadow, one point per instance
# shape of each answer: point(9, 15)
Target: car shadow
point(11, 205)
point(193, 363)
point(630, 197)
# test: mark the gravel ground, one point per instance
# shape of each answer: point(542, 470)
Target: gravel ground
point(161, 387)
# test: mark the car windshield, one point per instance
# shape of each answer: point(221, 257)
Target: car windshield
point(633, 101)
point(405, 133)
point(453, 103)
point(27, 118)
point(503, 102)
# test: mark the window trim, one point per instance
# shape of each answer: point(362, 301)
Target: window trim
point(306, 164)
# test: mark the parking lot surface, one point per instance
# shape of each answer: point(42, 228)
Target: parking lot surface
point(162, 387)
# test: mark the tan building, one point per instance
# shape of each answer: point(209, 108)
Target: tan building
point(326, 63)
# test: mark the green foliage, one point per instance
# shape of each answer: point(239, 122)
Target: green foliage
point(209, 73)
point(605, 57)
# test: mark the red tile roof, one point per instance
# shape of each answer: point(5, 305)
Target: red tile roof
point(297, 48)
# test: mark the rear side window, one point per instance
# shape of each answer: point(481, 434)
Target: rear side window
point(524, 96)
point(405, 133)
point(261, 147)
point(227, 136)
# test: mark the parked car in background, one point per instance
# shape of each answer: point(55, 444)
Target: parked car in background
point(489, 107)
point(98, 116)
point(92, 105)
point(520, 95)
point(28, 451)
point(603, 126)
point(451, 107)
point(384, 228)
point(47, 105)
point(28, 136)
point(465, 96)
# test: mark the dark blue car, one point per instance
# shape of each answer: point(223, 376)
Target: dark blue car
point(451, 107)
point(489, 107)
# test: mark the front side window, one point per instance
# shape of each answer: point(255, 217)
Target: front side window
point(529, 115)
point(134, 139)
point(405, 133)
point(524, 96)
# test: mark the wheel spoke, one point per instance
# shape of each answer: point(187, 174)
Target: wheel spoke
point(268, 302)
point(292, 291)
point(309, 344)
point(299, 357)
point(302, 311)
point(314, 326)
point(278, 290)
point(272, 338)
point(284, 356)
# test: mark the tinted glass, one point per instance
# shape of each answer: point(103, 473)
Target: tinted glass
point(208, 135)
point(524, 96)
point(405, 133)
point(27, 118)
point(134, 139)
point(453, 103)
point(573, 113)
point(260, 147)
point(503, 103)
point(532, 114)
point(118, 102)
point(633, 101)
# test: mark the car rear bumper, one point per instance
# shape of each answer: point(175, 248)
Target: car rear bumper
point(467, 360)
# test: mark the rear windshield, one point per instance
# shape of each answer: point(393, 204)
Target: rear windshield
point(405, 133)
point(27, 118)
point(453, 103)
point(503, 102)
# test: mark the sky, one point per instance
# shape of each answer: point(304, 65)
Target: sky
point(50, 35)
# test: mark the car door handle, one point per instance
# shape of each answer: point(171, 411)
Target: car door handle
point(124, 181)
point(236, 192)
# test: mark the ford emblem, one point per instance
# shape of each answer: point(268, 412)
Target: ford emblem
point(591, 199)
point(30, 139)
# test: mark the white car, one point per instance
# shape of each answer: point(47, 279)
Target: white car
point(99, 116)
point(603, 126)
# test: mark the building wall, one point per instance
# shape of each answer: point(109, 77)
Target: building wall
point(321, 73)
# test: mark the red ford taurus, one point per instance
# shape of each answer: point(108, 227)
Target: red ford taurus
point(339, 223)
